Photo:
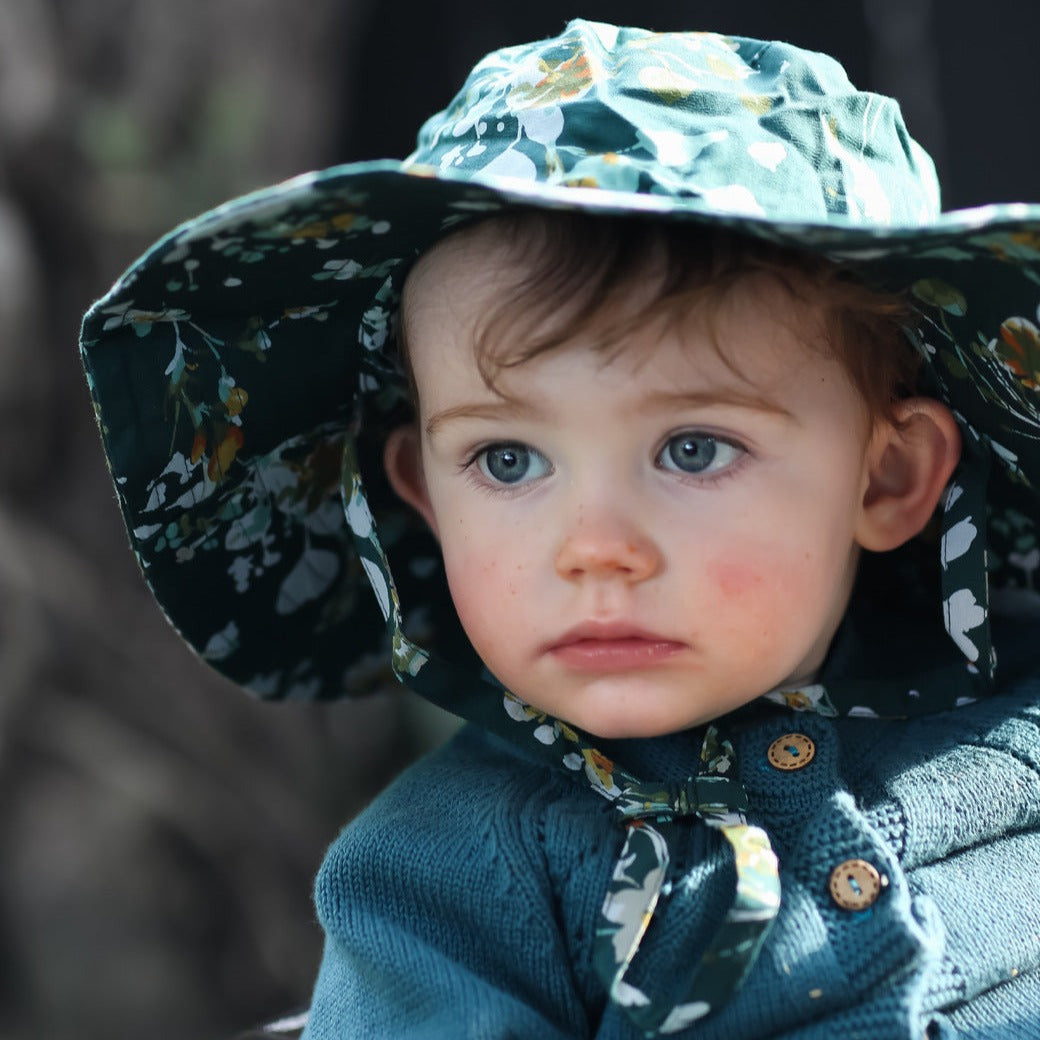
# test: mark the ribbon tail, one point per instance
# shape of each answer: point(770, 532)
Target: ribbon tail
point(628, 908)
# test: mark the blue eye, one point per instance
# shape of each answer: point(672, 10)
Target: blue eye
point(512, 463)
point(697, 453)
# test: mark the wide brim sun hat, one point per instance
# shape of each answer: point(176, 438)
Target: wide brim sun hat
point(237, 367)
point(226, 365)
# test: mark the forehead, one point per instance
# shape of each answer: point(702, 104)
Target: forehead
point(470, 263)
point(495, 298)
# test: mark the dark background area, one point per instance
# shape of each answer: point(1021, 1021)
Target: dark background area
point(158, 830)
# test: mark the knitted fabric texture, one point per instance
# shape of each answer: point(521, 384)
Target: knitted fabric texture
point(463, 903)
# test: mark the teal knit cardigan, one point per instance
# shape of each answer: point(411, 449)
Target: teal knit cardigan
point(462, 903)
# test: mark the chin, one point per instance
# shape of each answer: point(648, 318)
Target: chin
point(627, 706)
point(634, 729)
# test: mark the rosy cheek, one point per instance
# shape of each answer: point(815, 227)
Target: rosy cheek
point(735, 579)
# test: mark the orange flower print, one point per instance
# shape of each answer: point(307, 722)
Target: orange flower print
point(1021, 350)
point(1027, 239)
point(568, 79)
point(323, 228)
point(797, 700)
point(220, 461)
point(236, 400)
point(602, 766)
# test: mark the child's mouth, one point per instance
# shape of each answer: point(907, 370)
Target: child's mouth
point(599, 647)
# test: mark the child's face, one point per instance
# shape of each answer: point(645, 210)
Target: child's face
point(640, 544)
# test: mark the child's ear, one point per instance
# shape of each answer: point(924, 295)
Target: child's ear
point(402, 460)
point(910, 460)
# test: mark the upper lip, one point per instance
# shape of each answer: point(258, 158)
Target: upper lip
point(606, 631)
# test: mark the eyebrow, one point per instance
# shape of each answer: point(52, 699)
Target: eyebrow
point(732, 398)
point(505, 408)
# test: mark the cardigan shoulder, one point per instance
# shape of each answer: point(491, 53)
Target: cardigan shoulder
point(440, 903)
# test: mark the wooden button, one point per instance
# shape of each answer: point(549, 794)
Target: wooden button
point(855, 884)
point(791, 751)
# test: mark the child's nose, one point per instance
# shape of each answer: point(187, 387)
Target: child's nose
point(606, 550)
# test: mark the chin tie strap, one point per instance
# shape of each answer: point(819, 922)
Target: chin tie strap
point(653, 819)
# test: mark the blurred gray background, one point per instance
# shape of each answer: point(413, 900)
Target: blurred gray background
point(158, 830)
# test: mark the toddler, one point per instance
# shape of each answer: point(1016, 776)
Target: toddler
point(691, 456)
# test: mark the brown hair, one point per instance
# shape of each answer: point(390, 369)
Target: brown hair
point(580, 266)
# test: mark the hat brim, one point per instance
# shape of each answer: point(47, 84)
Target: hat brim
point(225, 363)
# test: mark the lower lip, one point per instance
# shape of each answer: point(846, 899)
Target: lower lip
point(615, 655)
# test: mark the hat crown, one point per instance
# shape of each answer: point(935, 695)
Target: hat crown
point(728, 124)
